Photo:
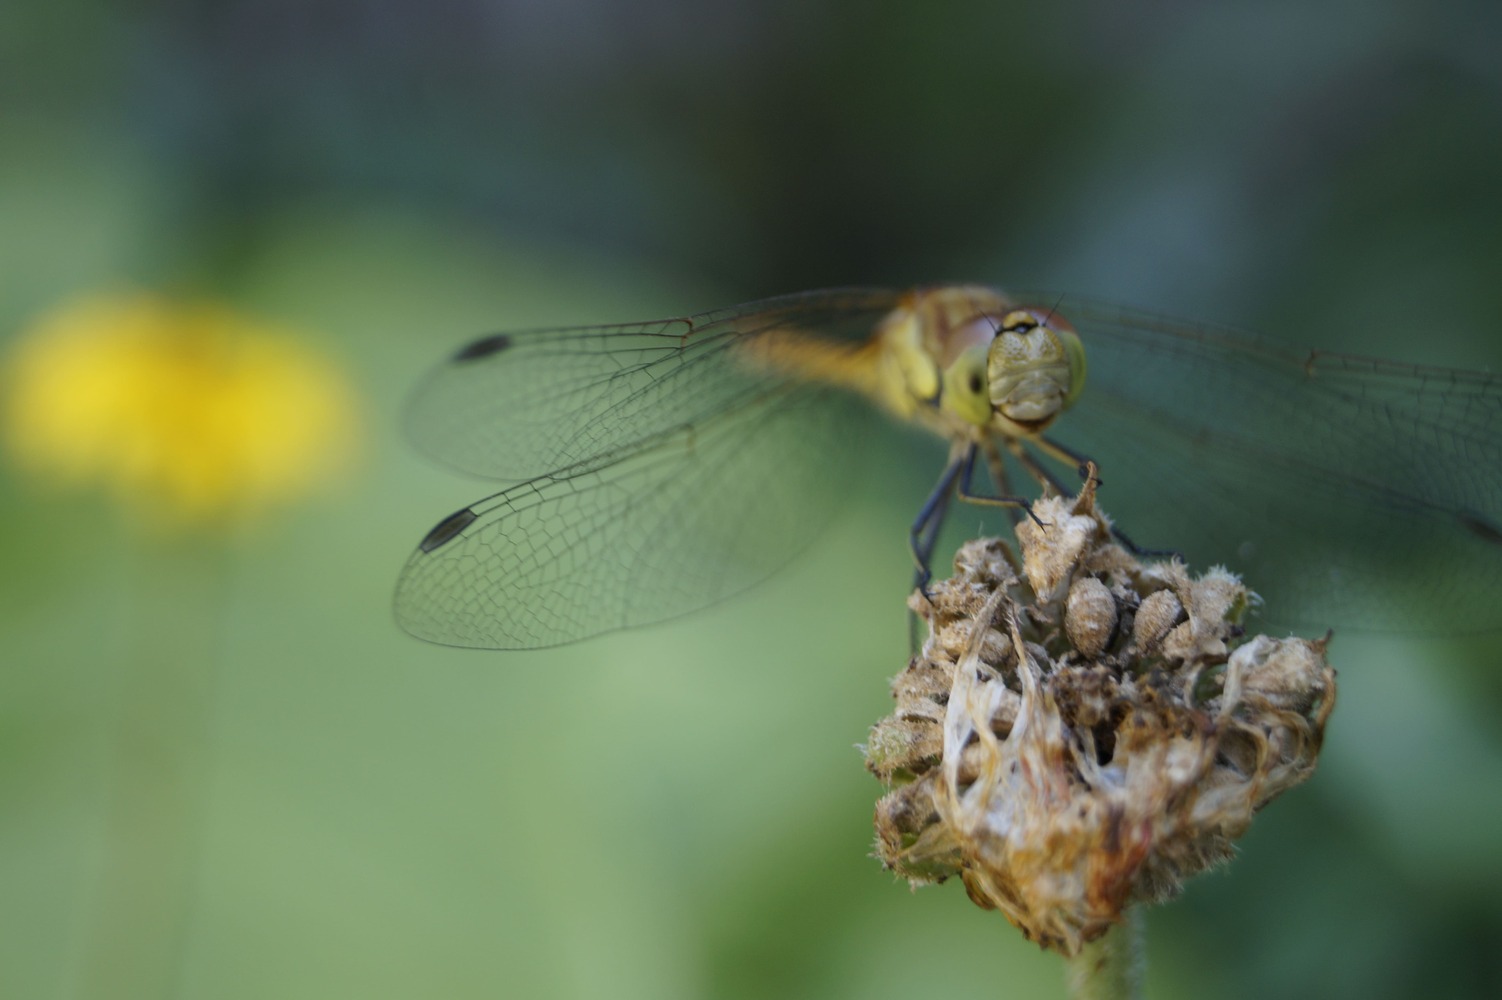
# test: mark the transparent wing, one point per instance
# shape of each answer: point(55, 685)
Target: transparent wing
point(676, 473)
point(515, 406)
point(1347, 490)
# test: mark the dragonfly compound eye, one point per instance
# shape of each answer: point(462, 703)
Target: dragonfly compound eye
point(965, 386)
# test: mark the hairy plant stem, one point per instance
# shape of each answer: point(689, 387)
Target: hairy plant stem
point(1111, 966)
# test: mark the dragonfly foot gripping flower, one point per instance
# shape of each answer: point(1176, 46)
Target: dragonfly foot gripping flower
point(1084, 730)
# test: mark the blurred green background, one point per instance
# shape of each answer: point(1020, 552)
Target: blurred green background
point(678, 812)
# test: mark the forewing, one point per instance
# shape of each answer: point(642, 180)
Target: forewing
point(649, 531)
point(1347, 490)
point(521, 405)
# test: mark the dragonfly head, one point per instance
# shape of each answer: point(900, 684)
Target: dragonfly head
point(1015, 371)
point(1035, 369)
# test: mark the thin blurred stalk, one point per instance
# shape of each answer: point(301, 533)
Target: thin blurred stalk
point(1111, 966)
point(157, 775)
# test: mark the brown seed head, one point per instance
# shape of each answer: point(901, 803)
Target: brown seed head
point(1092, 736)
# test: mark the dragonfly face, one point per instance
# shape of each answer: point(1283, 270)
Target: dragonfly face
point(658, 467)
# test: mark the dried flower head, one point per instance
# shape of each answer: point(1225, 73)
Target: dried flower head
point(189, 412)
point(1083, 730)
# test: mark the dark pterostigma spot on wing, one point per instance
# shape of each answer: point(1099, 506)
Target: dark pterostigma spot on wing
point(484, 347)
point(1480, 527)
point(444, 531)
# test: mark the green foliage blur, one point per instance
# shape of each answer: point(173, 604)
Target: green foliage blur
point(679, 811)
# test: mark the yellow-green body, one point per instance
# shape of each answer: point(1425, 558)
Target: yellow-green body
point(964, 361)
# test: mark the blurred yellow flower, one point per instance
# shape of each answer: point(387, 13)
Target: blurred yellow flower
point(189, 412)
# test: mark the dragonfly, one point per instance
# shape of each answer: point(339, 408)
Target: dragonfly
point(651, 469)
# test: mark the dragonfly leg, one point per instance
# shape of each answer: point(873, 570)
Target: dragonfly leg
point(1086, 468)
point(924, 534)
point(967, 493)
point(1045, 476)
point(1037, 469)
point(998, 469)
point(1065, 456)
